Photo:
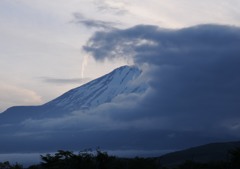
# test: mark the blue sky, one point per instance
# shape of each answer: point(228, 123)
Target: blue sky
point(41, 41)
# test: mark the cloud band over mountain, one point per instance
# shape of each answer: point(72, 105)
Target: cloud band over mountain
point(193, 73)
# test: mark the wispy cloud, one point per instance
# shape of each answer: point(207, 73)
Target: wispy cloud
point(117, 7)
point(15, 95)
point(65, 81)
point(92, 23)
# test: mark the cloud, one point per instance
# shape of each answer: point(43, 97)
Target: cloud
point(116, 7)
point(92, 23)
point(193, 72)
point(15, 95)
point(65, 81)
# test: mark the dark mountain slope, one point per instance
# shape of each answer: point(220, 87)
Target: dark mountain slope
point(205, 153)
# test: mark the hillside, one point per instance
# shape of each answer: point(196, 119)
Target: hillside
point(205, 153)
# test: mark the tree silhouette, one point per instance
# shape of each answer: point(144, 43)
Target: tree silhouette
point(7, 165)
point(235, 158)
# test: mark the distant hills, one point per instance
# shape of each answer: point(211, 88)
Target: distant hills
point(205, 153)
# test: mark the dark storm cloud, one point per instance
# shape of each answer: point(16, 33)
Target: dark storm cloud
point(92, 23)
point(194, 72)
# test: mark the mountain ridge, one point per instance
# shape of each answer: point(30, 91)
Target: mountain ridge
point(215, 151)
point(84, 97)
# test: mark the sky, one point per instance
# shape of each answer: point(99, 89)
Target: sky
point(188, 51)
point(41, 51)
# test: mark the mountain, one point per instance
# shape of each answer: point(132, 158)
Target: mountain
point(85, 97)
point(205, 153)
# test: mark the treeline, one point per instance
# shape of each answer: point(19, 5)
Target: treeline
point(93, 160)
point(101, 160)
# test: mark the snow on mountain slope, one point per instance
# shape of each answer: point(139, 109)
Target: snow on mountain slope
point(100, 91)
point(90, 95)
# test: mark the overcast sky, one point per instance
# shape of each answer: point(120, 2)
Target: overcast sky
point(41, 41)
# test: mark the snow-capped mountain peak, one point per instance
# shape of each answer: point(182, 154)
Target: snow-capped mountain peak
point(100, 90)
point(90, 95)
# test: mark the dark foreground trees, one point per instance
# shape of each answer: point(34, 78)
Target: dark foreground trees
point(101, 160)
point(235, 158)
point(7, 165)
point(93, 160)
